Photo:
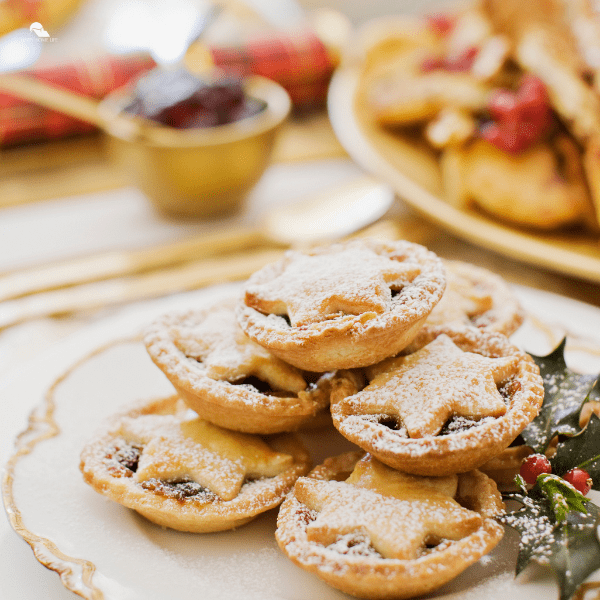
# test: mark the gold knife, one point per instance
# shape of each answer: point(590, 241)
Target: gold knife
point(126, 262)
point(100, 294)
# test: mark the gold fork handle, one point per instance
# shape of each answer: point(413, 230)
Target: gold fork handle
point(53, 97)
point(100, 294)
point(127, 262)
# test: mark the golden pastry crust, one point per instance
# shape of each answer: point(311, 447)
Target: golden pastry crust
point(547, 179)
point(347, 305)
point(474, 296)
point(230, 380)
point(453, 405)
point(462, 85)
point(350, 561)
point(504, 467)
point(150, 459)
point(544, 45)
point(415, 98)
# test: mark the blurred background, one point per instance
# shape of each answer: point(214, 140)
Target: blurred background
point(93, 47)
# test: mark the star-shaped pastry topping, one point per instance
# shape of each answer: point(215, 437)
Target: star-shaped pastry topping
point(313, 288)
point(217, 459)
point(399, 513)
point(426, 388)
point(218, 342)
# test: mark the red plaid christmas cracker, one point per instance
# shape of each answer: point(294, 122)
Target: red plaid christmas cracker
point(300, 62)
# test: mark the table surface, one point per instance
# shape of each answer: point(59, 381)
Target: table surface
point(61, 200)
point(122, 218)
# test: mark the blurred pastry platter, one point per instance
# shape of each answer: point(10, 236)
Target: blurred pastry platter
point(404, 152)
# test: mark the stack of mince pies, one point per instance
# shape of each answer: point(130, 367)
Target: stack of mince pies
point(405, 354)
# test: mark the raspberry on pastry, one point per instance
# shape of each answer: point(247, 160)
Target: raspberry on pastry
point(185, 473)
point(230, 380)
point(447, 408)
point(342, 306)
point(374, 532)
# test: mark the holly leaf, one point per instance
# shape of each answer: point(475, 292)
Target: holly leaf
point(594, 394)
point(582, 450)
point(564, 394)
point(569, 546)
point(563, 497)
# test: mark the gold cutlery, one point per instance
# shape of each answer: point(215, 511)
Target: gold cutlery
point(191, 275)
point(329, 214)
point(91, 296)
point(121, 263)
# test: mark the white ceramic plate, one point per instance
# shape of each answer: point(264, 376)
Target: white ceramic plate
point(102, 550)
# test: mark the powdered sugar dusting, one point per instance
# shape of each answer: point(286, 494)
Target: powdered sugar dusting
point(315, 286)
point(352, 551)
point(211, 343)
point(373, 421)
point(426, 388)
point(161, 451)
point(476, 296)
point(340, 300)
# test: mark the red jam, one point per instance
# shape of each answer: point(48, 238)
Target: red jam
point(441, 24)
point(181, 100)
point(519, 119)
point(462, 62)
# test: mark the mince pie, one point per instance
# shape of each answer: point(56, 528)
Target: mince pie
point(504, 467)
point(473, 296)
point(185, 473)
point(342, 306)
point(374, 532)
point(446, 408)
point(230, 380)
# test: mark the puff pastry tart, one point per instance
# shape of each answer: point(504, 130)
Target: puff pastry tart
point(447, 408)
point(185, 473)
point(230, 380)
point(473, 296)
point(342, 306)
point(374, 532)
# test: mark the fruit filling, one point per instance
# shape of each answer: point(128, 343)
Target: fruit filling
point(122, 458)
point(183, 489)
point(181, 100)
point(518, 119)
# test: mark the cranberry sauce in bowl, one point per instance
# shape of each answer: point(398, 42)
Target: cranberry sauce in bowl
point(182, 100)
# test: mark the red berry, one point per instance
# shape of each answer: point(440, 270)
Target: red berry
point(464, 61)
point(503, 103)
point(441, 24)
point(580, 479)
point(534, 465)
point(433, 63)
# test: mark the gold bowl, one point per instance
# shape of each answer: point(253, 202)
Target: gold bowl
point(203, 172)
